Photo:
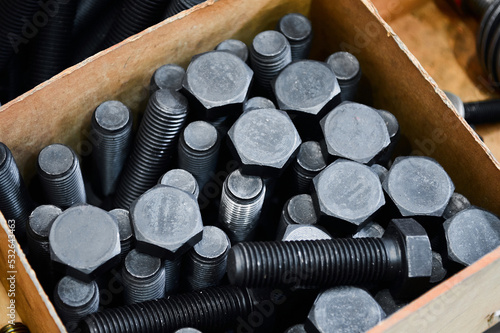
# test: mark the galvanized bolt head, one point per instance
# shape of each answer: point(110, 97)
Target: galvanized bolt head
point(297, 232)
point(344, 309)
point(167, 222)
point(86, 240)
point(264, 141)
point(307, 86)
point(471, 234)
point(418, 186)
point(346, 194)
point(355, 132)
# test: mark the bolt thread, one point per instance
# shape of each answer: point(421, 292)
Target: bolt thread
point(302, 178)
point(483, 112)
point(300, 44)
point(212, 309)
point(205, 272)
point(177, 6)
point(143, 289)
point(172, 275)
point(86, 11)
point(71, 314)
point(309, 264)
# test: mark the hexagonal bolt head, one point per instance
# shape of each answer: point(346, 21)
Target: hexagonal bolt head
point(85, 240)
point(346, 194)
point(217, 82)
point(471, 234)
point(167, 222)
point(354, 131)
point(264, 141)
point(418, 186)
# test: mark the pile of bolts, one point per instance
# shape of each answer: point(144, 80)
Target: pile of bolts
point(255, 196)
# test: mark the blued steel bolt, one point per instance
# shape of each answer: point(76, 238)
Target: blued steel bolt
point(212, 309)
point(38, 230)
point(61, 176)
point(127, 238)
point(169, 76)
point(258, 103)
point(297, 210)
point(298, 31)
point(181, 179)
point(346, 68)
point(112, 130)
point(15, 202)
point(308, 163)
point(402, 256)
point(143, 277)
point(154, 145)
point(234, 46)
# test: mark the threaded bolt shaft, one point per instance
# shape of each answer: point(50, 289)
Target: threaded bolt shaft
point(308, 163)
point(483, 112)
point(476, 7)
point(212, 309)
point(177, 6)
point(38, 229)
point(298, 31)
point(172, 274)
point(61, 176)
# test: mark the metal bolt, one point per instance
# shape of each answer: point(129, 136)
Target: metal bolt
point(181, 179)
point(15, 202)
point(61, 176)
point(112, 129)
point(438, 271)
point(258, 103)
point(188, 330)
point(394, 134)
point(234, 46)
point(403, 256)
point(127, 239)
point(198, 150)
point(154, 145)
point(143, 277)
point(297, 210)
point(207, 260)
point(74, 299)
point(371, 230)
point(177, 6)
point(304, 232)
point(212, 309)
point(172, 274)
point(269, 54)
point(38, 230)
point(387, 302)
point(333, 311)
point(380, 170)
point(296, 329)
point(241, 204)
point(169, 76)
point(481, 112)
point(457, 203)
point(308, 163)
point(346, 68)
point(298, 31)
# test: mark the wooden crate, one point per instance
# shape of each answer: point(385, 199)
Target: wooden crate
point(59, 110)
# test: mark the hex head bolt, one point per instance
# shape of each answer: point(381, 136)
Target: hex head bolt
point(143, 277)
point(181, 179)
point(154, 145)
point(269, 54)
point(297, 210)
point(112, 129)
point(308, 163)
point(354, 131)
point(177, 6)
point(74, 299)
point(298, 31)
point(127, 239)
point(333, 311)
point(346, 68)
point(85, 241)
point(60, 175)
point(15, 202)
point(234, 46)
point(38, 229)
point(198, 151)
point(264, 142)
point(346, 194)
point(241, 204)
point(212, 309)
point(403, 255)
point(206, 262)
point(169, 76)
point(258, 103)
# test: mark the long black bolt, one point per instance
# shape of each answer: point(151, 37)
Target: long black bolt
point(212, 309)
point(480, 112)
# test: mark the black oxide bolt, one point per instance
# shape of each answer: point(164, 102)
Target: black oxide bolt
point(394, 134)
point(308, 163)
point(346, 68)
point(234, 46)
point(457, 203)
point(38, 229)
point(172, 274)
point(403, 256)
point(61, 176)
point(296, 329)
point(298, 31)
point(297, 210)
point(169, 76)
point(127, 240)
point(213, 309)
point(481, 112)
point(181, 179)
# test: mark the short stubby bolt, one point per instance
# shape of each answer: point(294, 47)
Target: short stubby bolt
point(112, 130)
point(355, 132)
point(86, 240)
point(206, 264)
point(181, 179)
point(308, 163)
point(38, 230)
point(218, 83)
point(154, 145)
point(418, 186)
point(457, 203)
point(346, 194)
point(304, 232)
point(61, 176)
point(241, 204)
point(167, 222)
point(298, 31)
point(143, 277)
point(127, 240)
point(234, 46)
point(402, 256)
point(471, 234)
point(169, 76)
point(264, 141)
point(297, 210)
point(344, 309)
point(258, 103)
point(198, 150)
point(346, 68)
